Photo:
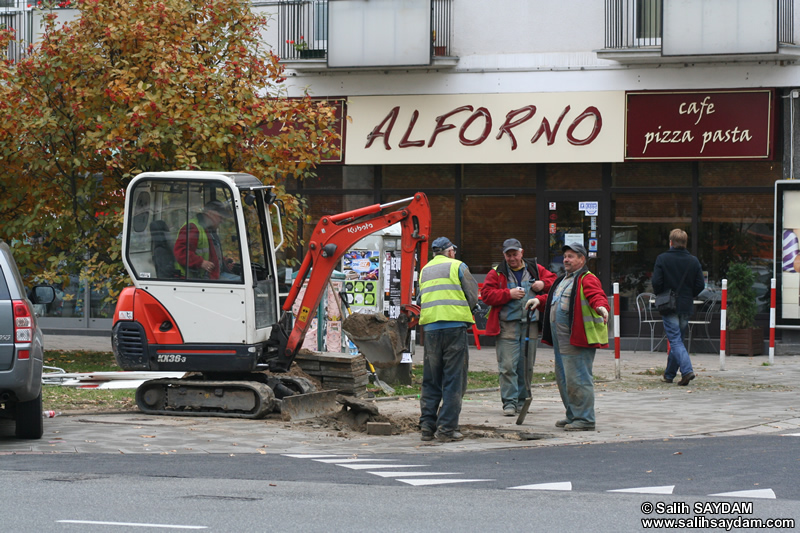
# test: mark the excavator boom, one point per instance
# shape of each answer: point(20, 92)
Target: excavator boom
point(333, 236)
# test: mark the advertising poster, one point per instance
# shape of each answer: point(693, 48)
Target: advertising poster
point(362, 277)
point(788, 247)
point(392, 298)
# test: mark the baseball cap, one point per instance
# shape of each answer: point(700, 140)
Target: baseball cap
point(511, 244)
point(218, 207)
point(442, 243)
point(575, 247)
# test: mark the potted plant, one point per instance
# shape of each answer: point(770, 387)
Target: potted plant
point(304, 51)
point(743, 335)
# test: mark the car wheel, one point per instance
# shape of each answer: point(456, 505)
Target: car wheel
point(29, 419)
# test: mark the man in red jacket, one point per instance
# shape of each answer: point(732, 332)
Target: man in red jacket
point(506, 289)
point(575, 324)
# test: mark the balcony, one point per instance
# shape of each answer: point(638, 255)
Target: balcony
point(16, 15)
point(318, 34)
point(653, 31)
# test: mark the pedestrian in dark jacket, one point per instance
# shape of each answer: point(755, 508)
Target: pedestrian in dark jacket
point(680, 271)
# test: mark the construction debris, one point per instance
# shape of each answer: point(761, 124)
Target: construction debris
point(341, 371)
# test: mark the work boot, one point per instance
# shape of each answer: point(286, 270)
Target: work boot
point(427, 435)
point(454, 436)
point(563, 422)
point(509, 410)
point(665, 379)
point(573, 427)
point(685, 379)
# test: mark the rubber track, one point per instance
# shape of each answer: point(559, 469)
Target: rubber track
point(168, 392)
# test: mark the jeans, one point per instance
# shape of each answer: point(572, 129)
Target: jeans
point(443, 380)
point(511, 360)
point(575, 383)
point(676, 327)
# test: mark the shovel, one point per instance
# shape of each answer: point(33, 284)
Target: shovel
point(523, 412)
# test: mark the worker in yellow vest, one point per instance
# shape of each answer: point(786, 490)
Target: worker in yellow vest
point(448, 293)
point(575, 324)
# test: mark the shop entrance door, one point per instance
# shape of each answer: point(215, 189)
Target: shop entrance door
point(573, 217)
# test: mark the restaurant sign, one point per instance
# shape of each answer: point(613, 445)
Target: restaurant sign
point(485, 128)
point(692, 125)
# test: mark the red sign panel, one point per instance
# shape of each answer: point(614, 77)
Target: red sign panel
point(691, 125)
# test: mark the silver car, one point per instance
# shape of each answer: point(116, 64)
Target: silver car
point(21, 350)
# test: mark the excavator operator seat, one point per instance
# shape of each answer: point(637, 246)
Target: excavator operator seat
point(161, 243)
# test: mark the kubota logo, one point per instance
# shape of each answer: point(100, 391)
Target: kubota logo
point(362, 227)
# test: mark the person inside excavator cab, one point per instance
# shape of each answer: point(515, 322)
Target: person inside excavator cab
point(199, 248)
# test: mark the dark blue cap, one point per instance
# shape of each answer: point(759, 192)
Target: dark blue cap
point(442, 243)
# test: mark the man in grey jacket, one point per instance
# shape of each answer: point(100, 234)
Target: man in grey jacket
point(680, 271)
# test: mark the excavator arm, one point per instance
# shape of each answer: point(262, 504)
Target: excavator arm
point(333, 236)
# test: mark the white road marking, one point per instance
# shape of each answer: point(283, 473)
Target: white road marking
point(368, 466)
point(419, 482)
point(564, 485)
point(667, 489)
point(127, 524)
point(310, 456)
point(400, 474)
point(791, 435)
point(766, 494)
point(346, 461)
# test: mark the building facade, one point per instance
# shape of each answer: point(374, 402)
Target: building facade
point(609, 122)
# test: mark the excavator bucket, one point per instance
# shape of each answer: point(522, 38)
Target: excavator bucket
point(380, 339)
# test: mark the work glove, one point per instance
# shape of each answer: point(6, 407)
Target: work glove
point(603, 312)
point(531, 304)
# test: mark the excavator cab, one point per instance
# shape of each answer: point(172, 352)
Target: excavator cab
point(199, 248)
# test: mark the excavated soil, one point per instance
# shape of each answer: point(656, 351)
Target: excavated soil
point(377, 337)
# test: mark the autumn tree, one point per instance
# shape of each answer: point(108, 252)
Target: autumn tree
point(133, 86)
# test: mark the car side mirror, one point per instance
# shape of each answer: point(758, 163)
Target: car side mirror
point(42, 294)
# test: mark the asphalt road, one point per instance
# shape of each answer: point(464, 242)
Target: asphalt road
point(565, 488)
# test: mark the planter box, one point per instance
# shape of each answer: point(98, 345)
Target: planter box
point(746, 342)
point(312, 54)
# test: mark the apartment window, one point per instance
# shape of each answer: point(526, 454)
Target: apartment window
point(648, 22)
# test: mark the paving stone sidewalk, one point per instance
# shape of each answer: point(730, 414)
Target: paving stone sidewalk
point(746, 397)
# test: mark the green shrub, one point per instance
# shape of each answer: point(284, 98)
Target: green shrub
point(742, 304)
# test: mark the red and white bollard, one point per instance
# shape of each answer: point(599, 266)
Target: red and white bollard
point(772, 321)
point(616, 331)
point(723, 320)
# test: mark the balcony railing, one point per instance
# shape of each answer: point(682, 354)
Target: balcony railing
point(18, 19)
point(303, 28)
point(635, 24)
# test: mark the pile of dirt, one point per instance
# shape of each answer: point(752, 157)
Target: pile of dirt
point(354, 415)
point(381, 340)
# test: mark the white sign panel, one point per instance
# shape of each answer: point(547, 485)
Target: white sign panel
point(379, 33)
point(707, 27)
point(579, 127)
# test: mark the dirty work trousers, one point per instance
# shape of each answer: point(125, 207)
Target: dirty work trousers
point(511, 360)
point(443, 379)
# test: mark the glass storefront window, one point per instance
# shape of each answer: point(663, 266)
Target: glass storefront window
point(486, 221)
point(639, 232)
point(733, 228)
point(739, 174)
point(338, 177)
point(418, 177)
point(651, 174)
point(498, 176)
point(564, 177)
